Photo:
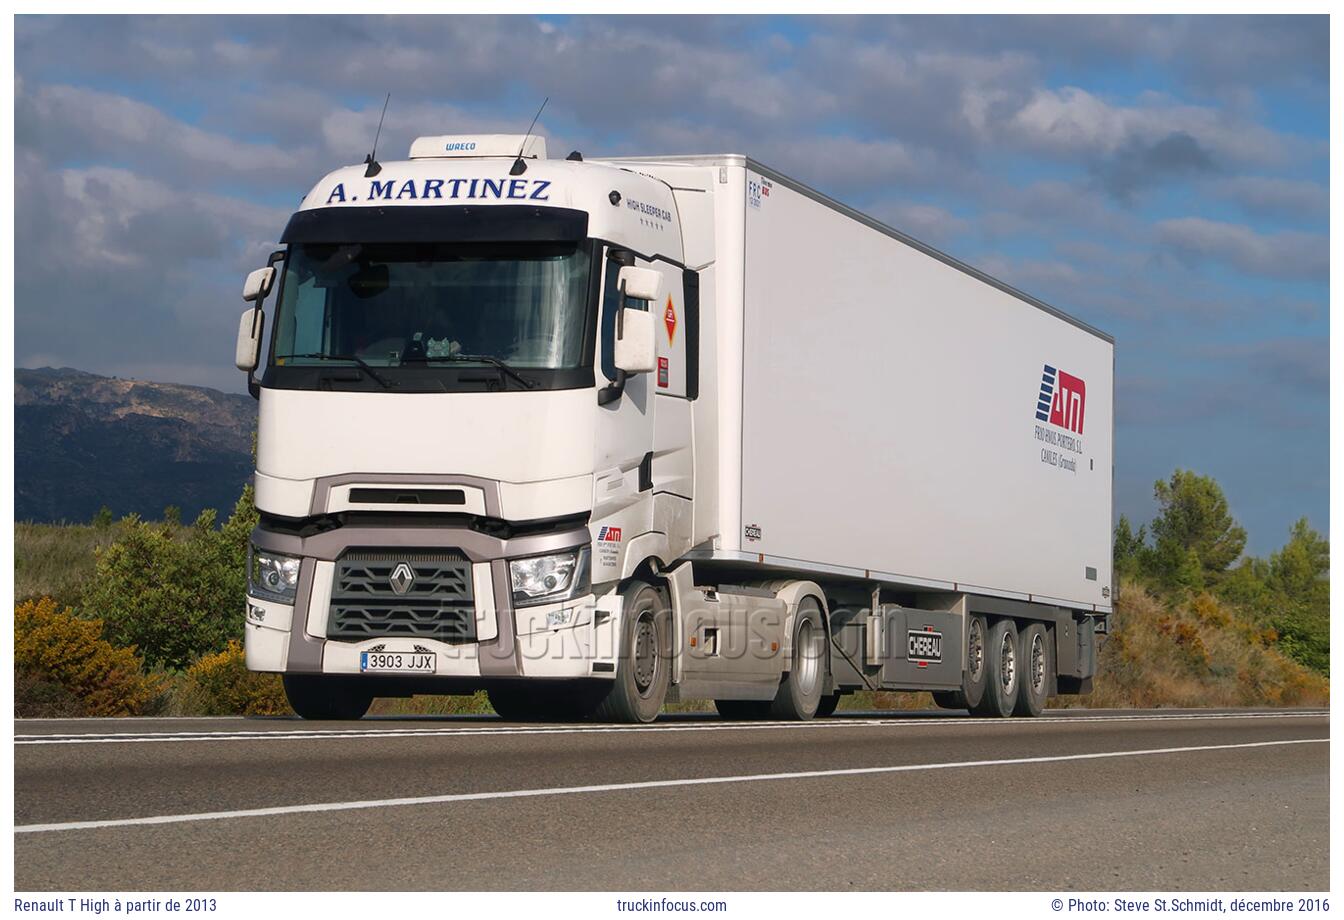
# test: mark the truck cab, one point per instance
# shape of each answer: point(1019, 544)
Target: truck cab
point(475, 422)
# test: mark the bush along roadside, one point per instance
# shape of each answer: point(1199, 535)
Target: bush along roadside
point(64, 667)
point(176, 597)
point(220, 684)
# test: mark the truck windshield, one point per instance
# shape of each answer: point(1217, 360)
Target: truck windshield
point(421, 305)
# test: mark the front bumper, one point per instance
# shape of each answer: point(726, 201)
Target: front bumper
point(580, 642)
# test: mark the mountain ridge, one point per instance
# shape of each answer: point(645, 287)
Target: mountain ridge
point(82, 441)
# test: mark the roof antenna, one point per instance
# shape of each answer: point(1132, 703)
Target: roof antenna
point(519, 167)
point(373, 167)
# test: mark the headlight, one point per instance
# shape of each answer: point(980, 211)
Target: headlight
point(272, 575)
point(545, 579)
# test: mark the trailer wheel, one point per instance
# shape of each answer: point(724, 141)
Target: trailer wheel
point(799, 692)
point(1002, 670)
point(742, 710)
point(644, 666)
point(1034, 685)
point(976, 676)
point(828, 704)
point(326, 697)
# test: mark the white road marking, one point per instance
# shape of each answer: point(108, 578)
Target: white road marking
point(402, 732)
point(623, 787)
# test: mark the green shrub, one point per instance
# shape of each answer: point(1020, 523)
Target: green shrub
point(61, 662)
point(176, 595)
point(220, 684)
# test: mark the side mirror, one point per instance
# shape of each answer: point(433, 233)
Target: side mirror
point(247, 354)
point(639, 283)
point(258, 284)
point(635, 342)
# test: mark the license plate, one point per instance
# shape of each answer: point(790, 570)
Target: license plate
point(419, 662)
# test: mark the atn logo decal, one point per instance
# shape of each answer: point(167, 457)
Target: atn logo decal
point(1061, 404)
point(609, 535)
point(1062, 400)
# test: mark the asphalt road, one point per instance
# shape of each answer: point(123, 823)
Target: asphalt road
point(1115, 800)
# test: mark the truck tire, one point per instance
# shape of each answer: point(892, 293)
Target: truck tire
point(742, 710)
point(644, 665)
point(974, 676)
point(799, 692)
point(827, 705)
point(1034, 684)
point(1002, 670)
point(326, 697)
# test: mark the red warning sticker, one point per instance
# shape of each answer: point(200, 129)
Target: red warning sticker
point(670, 320)
point(662, 372)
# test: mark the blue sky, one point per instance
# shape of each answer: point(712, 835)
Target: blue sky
point(1162, 178)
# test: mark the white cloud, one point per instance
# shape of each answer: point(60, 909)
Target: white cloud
point(1276, 196)
point(1073, 122)
point(1289, 254)
point(70, 122)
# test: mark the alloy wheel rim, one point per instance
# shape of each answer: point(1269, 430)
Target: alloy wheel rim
point(1008, 663)
point(807, 657)
point(975, 651)
point(646, 652)
point(1037, 662)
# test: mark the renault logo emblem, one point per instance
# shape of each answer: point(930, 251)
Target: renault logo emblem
point(402, 578)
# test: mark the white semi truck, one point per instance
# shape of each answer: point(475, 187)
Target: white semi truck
point(597, 435)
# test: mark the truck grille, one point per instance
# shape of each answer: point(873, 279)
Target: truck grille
point(422, 594)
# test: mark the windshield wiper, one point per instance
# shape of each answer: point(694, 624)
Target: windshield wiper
point(321, 356)
point(504, 369)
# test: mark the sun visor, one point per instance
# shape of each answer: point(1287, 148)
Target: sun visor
point(434, 224)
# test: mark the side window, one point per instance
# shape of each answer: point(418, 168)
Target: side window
point(611, 305)
point(305, 320)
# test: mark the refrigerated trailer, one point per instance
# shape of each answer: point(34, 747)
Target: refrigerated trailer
point(597, 435)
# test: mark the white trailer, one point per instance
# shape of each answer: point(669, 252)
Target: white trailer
point(593, 435)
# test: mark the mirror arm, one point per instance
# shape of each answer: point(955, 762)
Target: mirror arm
point(253, 384)
point(612, 391)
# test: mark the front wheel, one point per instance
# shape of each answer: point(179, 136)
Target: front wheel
point(799, 694)
point(644, 667)
point(326, 697)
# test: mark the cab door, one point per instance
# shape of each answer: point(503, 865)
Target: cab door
point(643, 478)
